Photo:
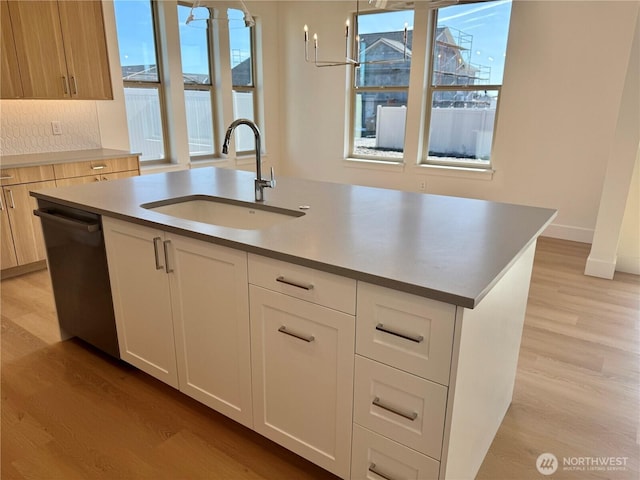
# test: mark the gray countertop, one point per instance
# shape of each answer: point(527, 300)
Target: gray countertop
point(446, 248)
point(48, 158)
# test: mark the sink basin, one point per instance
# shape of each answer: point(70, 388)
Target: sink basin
point(223, 212)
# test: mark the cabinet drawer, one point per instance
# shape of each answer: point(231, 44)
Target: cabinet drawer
point(95, 167)
point(401, 406)
point(375, 457)
point(14, 176)
point(412, 333)
point(308, 284)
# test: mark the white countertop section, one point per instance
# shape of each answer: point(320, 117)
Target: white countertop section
point(446, 248)
point(34, 159)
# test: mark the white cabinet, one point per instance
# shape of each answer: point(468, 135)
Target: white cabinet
point(209, 298)
point(404, 346)
point(400, 406)
point(302, 362)
point(182, 313)
point(141, 298)
point(414, 334)
point(375, 457)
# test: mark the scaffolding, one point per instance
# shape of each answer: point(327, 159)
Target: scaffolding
point(452, 59)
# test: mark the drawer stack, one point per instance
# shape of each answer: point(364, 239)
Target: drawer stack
point(403, 359)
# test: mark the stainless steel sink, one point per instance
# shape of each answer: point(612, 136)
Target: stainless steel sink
point(223, 212)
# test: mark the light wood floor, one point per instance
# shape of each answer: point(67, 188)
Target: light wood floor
point(70, 412)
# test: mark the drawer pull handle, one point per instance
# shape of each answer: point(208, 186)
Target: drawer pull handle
point(304, 286)
point(156, 242)
point(374, 469)
point(301, 336)
point(98, 167)
point(406, 336)
point(13, 202)
point(6, 177)
point(380, 404)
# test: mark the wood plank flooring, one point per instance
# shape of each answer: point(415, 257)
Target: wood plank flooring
point(71, 412)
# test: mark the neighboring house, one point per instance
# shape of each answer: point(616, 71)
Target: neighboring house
point(452, 66)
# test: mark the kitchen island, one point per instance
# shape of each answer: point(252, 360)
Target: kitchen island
point(411, 305)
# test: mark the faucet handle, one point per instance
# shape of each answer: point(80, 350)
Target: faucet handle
point(272, 182)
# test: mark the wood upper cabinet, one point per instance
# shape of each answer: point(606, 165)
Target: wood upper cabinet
point(10, 84)
point(85, 49)
point(61, 49)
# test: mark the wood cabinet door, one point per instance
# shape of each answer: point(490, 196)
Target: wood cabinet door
point(10, 84)
point(141, 298)
point(7, 251)
point(302, 358)
point(25, 226)
point(210, 304)
point(39, 48)
point(85, 49)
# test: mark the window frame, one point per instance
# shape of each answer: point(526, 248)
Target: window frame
point(431, 89)
point(353, 95)
point(210, 87)
point(159, 86)
point(247, 88)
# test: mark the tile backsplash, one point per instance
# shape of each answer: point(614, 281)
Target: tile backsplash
point(26, 126)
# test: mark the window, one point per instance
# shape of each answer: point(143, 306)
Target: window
point(141, 75)
point(466, 68)
point(380, 91)
point(195, 50)
point(242, 76)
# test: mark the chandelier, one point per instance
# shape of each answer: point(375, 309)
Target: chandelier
point(352, 42)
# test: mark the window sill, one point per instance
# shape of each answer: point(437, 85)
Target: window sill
point(210, 162)
point(160, 168)
point(384, 165)
point(459, 172)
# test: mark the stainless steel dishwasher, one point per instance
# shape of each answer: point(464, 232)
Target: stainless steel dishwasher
point(77, 263)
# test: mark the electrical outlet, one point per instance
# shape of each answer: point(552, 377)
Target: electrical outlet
point(423, 186)
point(56, 128)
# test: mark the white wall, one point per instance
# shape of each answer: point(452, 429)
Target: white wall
point(629, 246)
point(565, 70)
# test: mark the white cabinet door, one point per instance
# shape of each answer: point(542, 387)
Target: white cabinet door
point(210, 302)
point(141, 298)
point(302, 358)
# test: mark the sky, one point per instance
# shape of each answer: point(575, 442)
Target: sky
point(135, 35)
point(486, 22)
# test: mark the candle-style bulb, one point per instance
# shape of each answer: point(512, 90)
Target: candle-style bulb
point(306, 33)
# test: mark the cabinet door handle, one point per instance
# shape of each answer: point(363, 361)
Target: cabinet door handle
point(380, 404)
point(1, 204)
point(75, 85)
point(374, 469)
point(12, 203)
point(301, 336)
point(65, 85)
point(304, 286)
point(407, 336)
point(156, 242)
point(166, 256)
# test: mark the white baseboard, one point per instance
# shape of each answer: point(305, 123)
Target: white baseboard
point(567, 232)
point(600, 268)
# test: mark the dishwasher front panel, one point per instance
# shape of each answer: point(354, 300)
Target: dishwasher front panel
point(77, 263)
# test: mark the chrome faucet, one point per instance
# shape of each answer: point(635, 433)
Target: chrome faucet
point(260, 184)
